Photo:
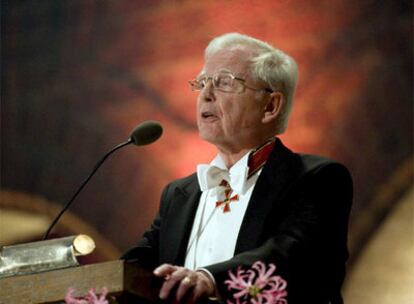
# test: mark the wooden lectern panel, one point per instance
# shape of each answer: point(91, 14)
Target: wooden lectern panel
point(123, 281)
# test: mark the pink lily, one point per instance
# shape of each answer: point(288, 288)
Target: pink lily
point(90, 298)
point(257, 285)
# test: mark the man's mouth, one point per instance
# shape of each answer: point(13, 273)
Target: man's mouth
point(207, 114)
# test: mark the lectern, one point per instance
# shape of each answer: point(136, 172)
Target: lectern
point(126, 283)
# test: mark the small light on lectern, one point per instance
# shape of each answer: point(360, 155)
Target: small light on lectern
point(83, 245)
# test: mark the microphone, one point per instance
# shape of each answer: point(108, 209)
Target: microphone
point(146, 133)
point(143, 134)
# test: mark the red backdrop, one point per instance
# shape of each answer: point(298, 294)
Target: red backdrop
point(78, 75)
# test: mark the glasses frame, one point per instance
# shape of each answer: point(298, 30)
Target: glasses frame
point(193, 83)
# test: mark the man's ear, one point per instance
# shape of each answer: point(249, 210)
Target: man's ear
point(273, 107)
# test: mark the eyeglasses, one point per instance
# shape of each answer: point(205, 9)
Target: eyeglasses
point(223, 81)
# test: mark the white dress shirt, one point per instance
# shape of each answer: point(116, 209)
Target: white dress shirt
point(214, 232)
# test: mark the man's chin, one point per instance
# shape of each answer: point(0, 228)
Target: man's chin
point(209, 137)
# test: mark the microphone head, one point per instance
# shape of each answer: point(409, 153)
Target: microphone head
point(146, 133)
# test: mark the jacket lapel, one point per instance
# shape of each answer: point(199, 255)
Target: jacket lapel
point(180, 219)
point(278, 172)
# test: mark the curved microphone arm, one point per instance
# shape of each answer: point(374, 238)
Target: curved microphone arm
point(98, 164)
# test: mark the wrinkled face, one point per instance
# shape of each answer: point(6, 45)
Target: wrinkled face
point(229, 120)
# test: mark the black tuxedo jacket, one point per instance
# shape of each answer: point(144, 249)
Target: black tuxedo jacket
point(297, 218)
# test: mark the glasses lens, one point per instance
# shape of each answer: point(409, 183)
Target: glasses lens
point(224, 82)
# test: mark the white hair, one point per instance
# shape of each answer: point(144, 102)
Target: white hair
point(272, 66)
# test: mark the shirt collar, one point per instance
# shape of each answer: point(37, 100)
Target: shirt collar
point(210, 176)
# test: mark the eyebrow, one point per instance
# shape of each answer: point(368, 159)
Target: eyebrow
point(203, 73)
point(236, 75)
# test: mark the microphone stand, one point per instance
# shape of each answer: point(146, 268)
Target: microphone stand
point(98, 164)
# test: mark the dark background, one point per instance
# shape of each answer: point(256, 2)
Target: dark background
point(77, 76)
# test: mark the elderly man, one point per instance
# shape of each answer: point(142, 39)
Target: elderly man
point(257, 200)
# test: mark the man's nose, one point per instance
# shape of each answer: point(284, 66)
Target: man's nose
point(207, 93)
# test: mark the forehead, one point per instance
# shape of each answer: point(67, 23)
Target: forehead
point(235, 60)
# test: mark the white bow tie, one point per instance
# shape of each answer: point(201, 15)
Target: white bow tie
point(210, 176)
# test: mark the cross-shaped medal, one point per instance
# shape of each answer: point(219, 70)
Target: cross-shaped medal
point(227, 197)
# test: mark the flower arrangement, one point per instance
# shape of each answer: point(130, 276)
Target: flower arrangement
point(90, 298)
point(257, 285)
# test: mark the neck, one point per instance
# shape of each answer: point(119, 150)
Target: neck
point(230, 158)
